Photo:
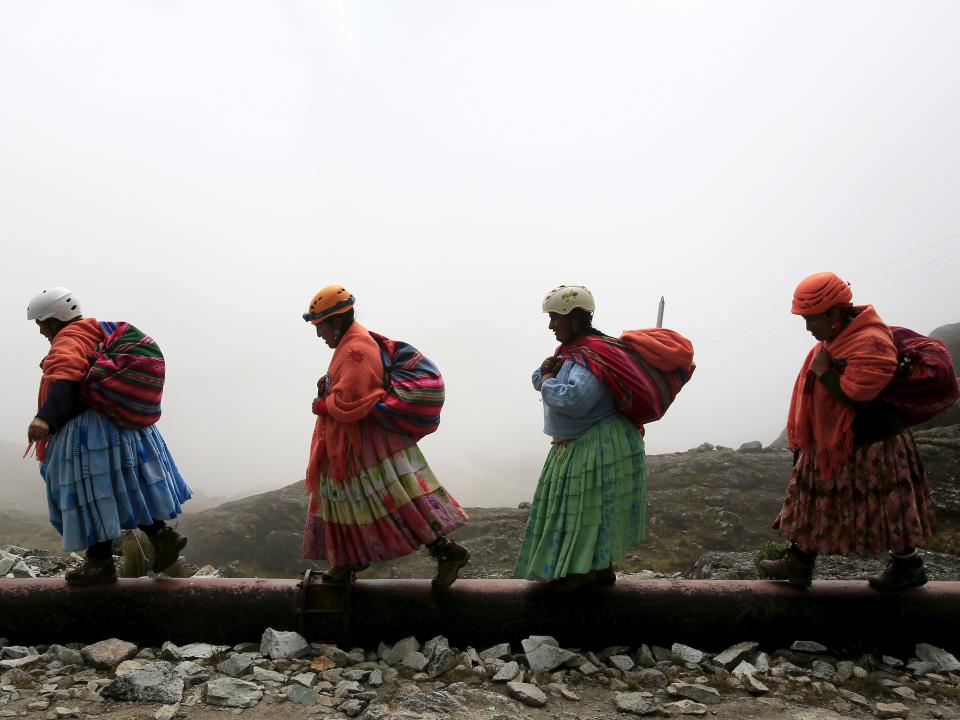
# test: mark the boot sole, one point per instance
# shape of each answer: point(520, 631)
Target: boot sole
point(910, 586)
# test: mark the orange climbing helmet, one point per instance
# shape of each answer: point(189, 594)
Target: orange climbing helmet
point(332, 300)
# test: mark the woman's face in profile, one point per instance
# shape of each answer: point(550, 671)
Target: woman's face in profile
point(820, 326)
point(327, 332)
point(562, 327)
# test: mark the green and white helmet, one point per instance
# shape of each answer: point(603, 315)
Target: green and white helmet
point(565, 298)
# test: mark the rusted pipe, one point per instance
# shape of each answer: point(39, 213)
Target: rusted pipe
point(710, 614)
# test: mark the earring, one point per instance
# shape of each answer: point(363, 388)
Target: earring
point(336, 334)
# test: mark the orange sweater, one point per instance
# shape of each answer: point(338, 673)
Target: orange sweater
point(356, 385)
point(70, 356)
point(819, 422)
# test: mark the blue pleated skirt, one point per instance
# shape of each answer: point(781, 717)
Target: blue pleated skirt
point(102, 479)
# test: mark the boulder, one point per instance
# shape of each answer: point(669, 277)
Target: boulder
point(231, 692)
point(157, 682)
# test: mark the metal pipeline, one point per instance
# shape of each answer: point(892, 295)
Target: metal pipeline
point(709, 614)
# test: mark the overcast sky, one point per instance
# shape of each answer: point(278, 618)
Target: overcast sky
point(200, 169)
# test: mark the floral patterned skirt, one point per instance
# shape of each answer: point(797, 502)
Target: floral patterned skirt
point(880, 500)
point(386, 511)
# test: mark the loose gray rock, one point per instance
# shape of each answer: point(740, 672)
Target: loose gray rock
point(167, 712)
point(905, 693)
point(107, 653)
point(238, 664)
point(436, 642)
point(157, 682)
point(507, 672)
point(943, 660)
point(264, 675)
point(635, 703)
point(855, 698)
point(624, 663)
point(687, 653)
point(498, 652)
point(353, 707)
point(169, 651)
point(441, 660)
point(696, 692)
point(396, 654)
point(733, 655)
point(302, 695)
point(201, 651)
point(276, 644)
point(808, 646)
point(648, 677)
point(67, 656)
point(685, 707)
point(891, 710)
point(309, 679)
point(437, 702)
point(752, 446)
point(546, 658)
point(231, 692)
point(192, 673)
point(643, 657)
point(527, 694)
point(753, 686)
point(744, 669)
point(415, 661)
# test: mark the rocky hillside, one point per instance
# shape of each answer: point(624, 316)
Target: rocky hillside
point(709, 498)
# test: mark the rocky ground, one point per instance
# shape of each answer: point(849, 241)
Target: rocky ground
point(284, 676)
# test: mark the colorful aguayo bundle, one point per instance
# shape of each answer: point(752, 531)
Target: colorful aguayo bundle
point(414, 386)
point(925, 383)
point(644, 369)
point(125, 380)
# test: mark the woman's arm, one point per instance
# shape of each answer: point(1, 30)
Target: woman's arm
point(576, 395)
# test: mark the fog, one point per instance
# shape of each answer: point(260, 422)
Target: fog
point(200, 169)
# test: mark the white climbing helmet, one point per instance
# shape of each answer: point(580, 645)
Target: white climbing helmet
point(565, 298)
point(57, 302)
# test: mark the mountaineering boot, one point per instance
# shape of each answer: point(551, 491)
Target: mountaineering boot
point(796, 568)
point(900, 574)
point(607, 576)
point(574, 581)
point(342, 573)
point(450, 557)
point(92, 572)
point(167, 545)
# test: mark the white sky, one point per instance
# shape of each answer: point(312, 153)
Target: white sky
point(202, 168)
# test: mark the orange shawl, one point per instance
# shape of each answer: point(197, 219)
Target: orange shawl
point(356, 385)
point(818, 421)
point(70, 356)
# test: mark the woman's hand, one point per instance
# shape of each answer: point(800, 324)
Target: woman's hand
point(38, 430)
point(320, 406)
point(550, 366)
point(821, 362)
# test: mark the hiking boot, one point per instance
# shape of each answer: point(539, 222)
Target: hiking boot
point(167, 545)
point(607, 576)
point(900, 575)
point(450, 557)
point(795, 569)
point(92, 572)
point(574, 581)
point(342, 573)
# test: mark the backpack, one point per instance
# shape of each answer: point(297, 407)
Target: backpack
point(414, 386)
point(925, 382)
point(125, 380)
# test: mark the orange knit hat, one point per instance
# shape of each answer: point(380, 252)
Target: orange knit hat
point(819, 292)
point(332, 300)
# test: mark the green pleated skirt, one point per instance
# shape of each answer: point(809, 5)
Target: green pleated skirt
point(590, 503)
